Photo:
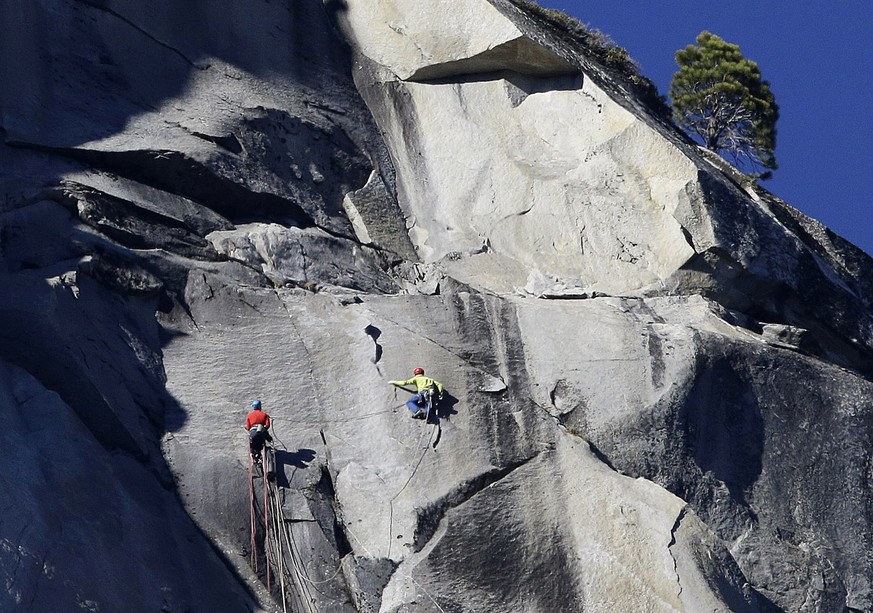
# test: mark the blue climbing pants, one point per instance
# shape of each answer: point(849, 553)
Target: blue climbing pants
point(412, 403)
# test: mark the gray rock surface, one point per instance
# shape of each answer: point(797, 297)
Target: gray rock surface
point(658, 375)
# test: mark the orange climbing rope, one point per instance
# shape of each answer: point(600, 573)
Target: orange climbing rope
point(253, 543)
point(266, 518)
point(253, 504)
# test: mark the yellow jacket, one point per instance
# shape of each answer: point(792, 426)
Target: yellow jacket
point(421, 383)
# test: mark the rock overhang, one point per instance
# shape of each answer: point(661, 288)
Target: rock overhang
point(521, 56)
point(415, 39)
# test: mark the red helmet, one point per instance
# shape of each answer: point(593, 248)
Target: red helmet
point(418, 371)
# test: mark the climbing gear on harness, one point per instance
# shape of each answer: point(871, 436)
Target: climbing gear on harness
point(425, 401)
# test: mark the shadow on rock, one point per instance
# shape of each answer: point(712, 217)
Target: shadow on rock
point(445, 408)
point(298, 459)
point(122, 76)
point(724, 429)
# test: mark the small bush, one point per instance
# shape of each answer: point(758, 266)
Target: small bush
point(593, 41)
point(618, 57)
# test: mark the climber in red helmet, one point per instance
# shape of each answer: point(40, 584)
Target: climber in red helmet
point(258, 426)
point(425, 386)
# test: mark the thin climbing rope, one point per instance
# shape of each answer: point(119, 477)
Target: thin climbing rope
point(408, 480)
point(407, 575)
point(277, 549)
point(292, 545)
point(298, 576)
point(281, 534)
point(340, 420)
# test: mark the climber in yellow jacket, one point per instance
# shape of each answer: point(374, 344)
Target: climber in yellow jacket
point(424, 385)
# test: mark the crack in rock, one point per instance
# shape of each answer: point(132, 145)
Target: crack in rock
point(97, 5)
point(672, 542)
point(431, 516)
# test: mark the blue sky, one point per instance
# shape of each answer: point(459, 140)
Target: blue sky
point(818, 58)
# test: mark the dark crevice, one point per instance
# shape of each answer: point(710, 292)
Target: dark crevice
point(602, 456)
point(228, 143)
point(328, 516)
point(672, 542)
point(576, 296)
point(137, 228)
point(430, 517)
point(529, 84)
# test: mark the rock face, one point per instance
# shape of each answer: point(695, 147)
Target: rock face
point(658, 377)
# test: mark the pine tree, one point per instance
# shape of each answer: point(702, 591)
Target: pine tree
point(719, 96)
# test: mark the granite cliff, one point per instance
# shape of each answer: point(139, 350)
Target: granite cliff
point(658, 374)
